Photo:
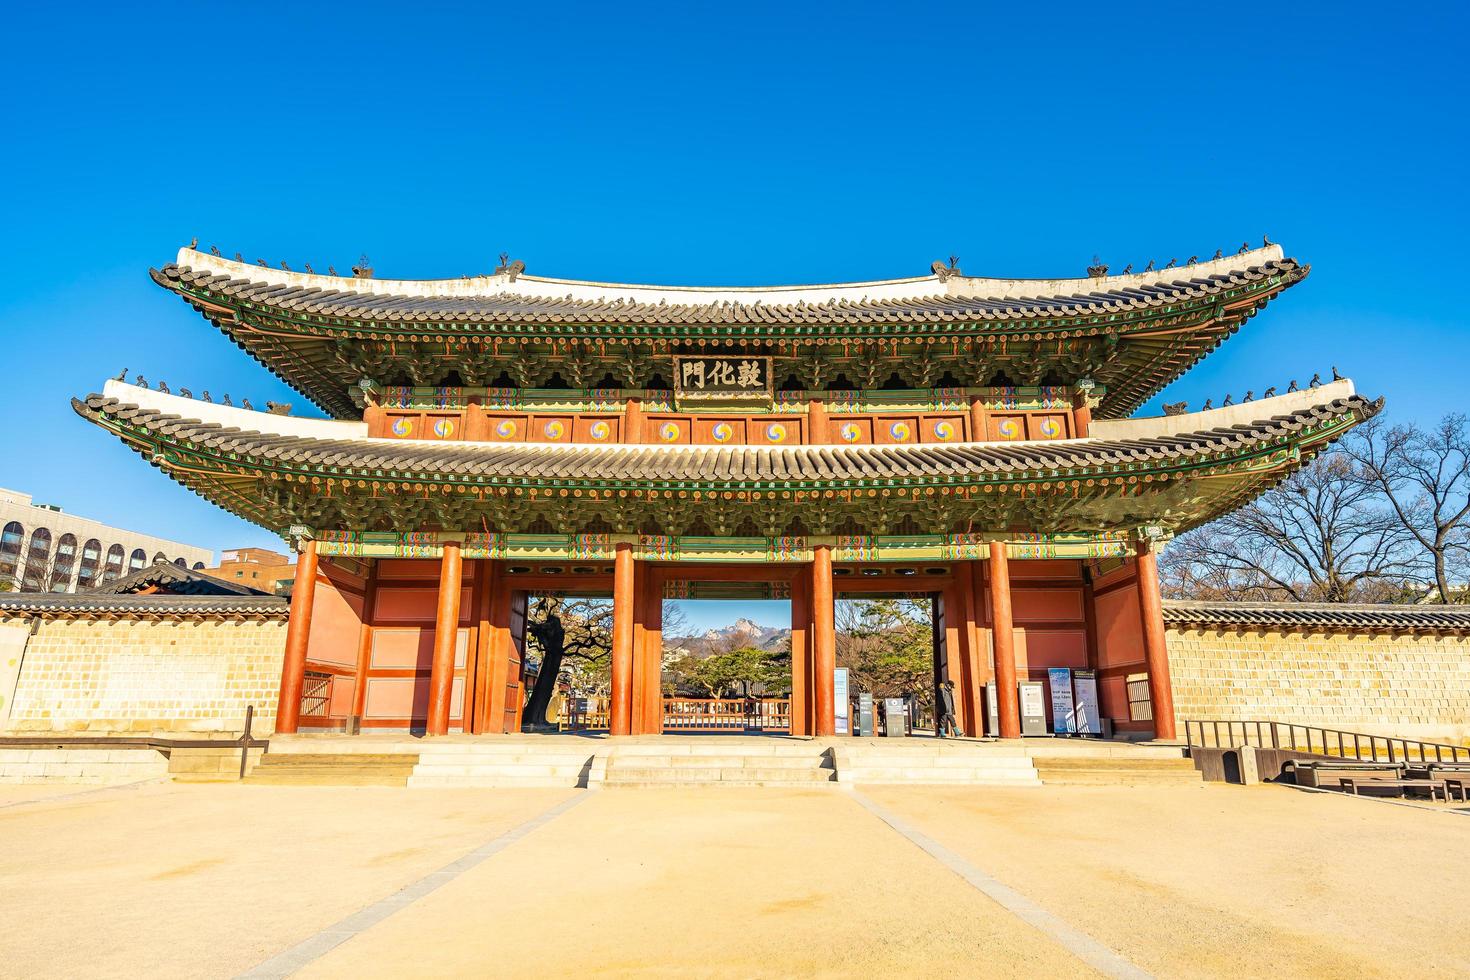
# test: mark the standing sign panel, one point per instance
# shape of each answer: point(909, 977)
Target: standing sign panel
point(895, 718)
point(839, 699)
point(865, 725)
point(1063, 721)
point(1089, 715)
point(1033, 708)
point(992, 711)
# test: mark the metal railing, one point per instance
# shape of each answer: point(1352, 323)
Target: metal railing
point(1360, 746)
point(730, 715)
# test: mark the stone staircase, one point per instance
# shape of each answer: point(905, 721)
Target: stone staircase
point(1116, 770)
point(718, 762)
point(933, 762)
point(333, 769)
point(513, 762)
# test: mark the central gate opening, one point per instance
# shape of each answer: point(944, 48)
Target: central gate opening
point(712, 652)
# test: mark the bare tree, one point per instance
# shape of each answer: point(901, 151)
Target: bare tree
point(1322, 535)
point(573, 636)
point(1425, 477)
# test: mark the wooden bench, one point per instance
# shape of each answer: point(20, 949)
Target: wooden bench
point(1352, 784)
point(1459, 784)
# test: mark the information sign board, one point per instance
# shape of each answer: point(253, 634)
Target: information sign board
point(840, 699)
point(1033, 708)
point(1063, 721)
point(1089, 714)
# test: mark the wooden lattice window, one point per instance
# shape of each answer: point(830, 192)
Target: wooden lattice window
point(1140, 707)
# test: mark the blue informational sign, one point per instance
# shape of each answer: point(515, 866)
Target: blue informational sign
point(1063, 717)
point(1089, 717)
point(839, 698)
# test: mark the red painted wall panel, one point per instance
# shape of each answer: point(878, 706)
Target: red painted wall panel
point(1047, 605)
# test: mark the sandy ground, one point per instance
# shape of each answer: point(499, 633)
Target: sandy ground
point(210, 880)
point(1219, 880)
point(723, 882)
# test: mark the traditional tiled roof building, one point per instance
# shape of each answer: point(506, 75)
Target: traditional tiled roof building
point(497, 436)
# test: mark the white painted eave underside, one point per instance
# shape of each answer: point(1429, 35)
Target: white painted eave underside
point(921, 287)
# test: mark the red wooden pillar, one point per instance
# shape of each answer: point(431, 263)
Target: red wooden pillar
point(652, 654)
point(365, 640)
point(824, 642)
point(801, 655)
point(1003, 637)
point(961, 624)
point(446, 636)
point(620, 711)
point(1155, 652)
point(298, 630)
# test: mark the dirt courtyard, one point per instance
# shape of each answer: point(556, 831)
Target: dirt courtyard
point(201, 880)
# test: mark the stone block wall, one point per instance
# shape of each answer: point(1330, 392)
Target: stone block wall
point(139, 675)
point(1414, 685)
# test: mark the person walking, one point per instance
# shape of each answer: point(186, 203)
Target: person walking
point(946, 711)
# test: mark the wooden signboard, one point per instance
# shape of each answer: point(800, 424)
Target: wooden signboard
point(714, 378)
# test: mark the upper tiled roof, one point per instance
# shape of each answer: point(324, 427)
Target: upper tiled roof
point(149, 606)
point(488, 300)
point(1315, 616)
point(170, 579)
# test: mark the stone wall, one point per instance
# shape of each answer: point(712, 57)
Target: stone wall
point(143, 674)
point(1415, 685)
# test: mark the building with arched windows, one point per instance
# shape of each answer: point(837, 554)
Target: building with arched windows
point(43, 549)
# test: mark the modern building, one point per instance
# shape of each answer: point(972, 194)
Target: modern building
point(490, 438)
point(43, 549)
point(259, 568)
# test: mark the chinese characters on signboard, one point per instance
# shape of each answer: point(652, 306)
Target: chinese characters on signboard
point(722, 375)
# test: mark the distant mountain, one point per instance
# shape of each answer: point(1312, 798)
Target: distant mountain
point(739, 634)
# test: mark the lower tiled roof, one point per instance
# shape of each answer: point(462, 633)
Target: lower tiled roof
point(143, 606)
point(633, 464)
point(170, 579)
point(1318, 616)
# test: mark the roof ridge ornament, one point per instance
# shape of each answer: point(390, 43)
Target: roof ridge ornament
point(1098, 269)
point(362, 270)
point(944, 272)
point(508, 268)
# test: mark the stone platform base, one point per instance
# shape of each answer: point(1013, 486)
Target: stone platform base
point(81, 766)
point(467, 761)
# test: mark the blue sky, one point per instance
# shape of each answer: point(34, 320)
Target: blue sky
point(679, 143)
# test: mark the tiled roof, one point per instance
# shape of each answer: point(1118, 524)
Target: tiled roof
point(345, 298)
point(722, 465)
point(1317, 616)
point(148, 606)
point(173, 580)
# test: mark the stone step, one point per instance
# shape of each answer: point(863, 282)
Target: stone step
point(718, 747)
point(344, 778)
point(620, 761)
point(978, 776)
point(1118, 764)
point(719, 784)
point(735, 773)
point(499, 769)
point(277, 761)
point(906, 760)
point(433, 780)
point(1117, 777)
point(453, 758)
